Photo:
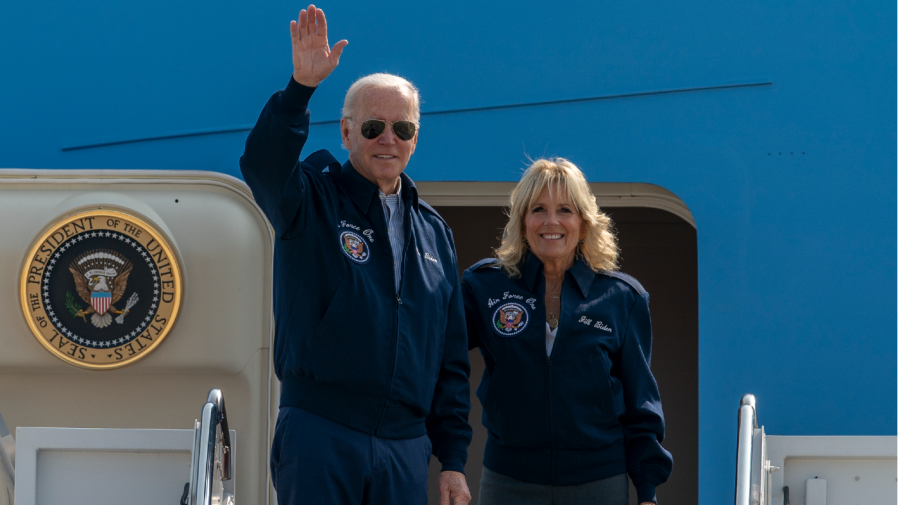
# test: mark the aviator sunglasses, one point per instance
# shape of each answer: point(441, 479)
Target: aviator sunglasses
point(372, 128)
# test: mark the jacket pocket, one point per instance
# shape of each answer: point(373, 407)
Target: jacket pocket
point(344, 351)
point(605, 393)
point(583, 409)
point(515, 403)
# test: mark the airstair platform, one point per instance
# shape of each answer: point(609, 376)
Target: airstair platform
point(812, 470)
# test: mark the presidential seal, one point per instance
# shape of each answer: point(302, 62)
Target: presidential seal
point(354, 247)
point(510, 319)
point(101, 289)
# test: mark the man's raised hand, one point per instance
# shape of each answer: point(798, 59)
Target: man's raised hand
point(313, 59)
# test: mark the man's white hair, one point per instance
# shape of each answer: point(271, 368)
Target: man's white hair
point(380, 81)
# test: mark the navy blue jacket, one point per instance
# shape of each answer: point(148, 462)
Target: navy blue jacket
point(588, 411)
point(347, 347)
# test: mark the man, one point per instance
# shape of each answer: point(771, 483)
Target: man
point(371, 348)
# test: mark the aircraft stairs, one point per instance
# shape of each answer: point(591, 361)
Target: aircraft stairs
point(209, 480)
point(811, 470)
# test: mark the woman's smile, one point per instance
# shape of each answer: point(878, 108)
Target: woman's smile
point(553, 227)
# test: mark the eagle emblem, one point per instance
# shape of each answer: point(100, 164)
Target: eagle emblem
point(101, 277)
point(510, 319)
point(102, 288)
point(354, 247)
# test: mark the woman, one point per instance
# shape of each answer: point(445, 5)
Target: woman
point(568, 398)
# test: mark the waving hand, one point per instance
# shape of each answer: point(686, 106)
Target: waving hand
point(313, 59)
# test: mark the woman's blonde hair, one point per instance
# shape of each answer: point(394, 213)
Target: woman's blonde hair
point(599, 247)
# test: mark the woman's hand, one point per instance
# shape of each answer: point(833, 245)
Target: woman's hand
point(313, 59)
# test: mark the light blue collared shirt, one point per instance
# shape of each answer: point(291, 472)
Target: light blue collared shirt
point(394, 212)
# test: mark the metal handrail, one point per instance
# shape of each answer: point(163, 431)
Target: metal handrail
point(7, 456)
point(210, 432)
point(216, 397)
point(748, 422)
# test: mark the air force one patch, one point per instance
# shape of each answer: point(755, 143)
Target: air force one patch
point(510, 319)
point(355, 247)
point(101, 289)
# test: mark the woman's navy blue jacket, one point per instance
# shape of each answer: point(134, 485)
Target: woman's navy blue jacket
point(588, 411)
point(347, 347)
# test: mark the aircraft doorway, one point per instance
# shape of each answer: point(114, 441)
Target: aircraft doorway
point(659, 248)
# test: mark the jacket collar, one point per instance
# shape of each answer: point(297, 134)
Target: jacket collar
point(581, 272)
point(363, 192)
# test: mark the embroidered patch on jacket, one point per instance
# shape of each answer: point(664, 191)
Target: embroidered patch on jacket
point(355, 247)
point(510, 319)
point(101, 289)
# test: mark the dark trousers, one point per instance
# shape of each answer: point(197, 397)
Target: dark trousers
point(317, 461)
point(498, 489)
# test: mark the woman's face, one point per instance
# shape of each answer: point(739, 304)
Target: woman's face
point(552, 227)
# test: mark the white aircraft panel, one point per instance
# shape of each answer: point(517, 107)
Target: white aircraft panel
point(111, 478)
point(105, 466)
point(857, 469)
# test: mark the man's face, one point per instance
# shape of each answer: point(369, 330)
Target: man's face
point(381, 159)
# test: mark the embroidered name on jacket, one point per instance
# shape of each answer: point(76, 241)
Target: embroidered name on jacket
point(510, 319)
point(599, 324)
point(355, 247)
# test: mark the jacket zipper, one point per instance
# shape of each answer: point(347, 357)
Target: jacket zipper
point(551, 422)
point(407, 224)
point(551, 410)
point(395, 358)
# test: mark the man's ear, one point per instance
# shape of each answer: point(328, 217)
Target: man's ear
point(344, 132)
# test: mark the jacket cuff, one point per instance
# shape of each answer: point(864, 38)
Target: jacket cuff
point(453, 454)
point(294, 100)
point(453, 460)
point(645, 491)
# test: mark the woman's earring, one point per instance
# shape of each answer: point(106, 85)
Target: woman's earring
point(580, 241)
